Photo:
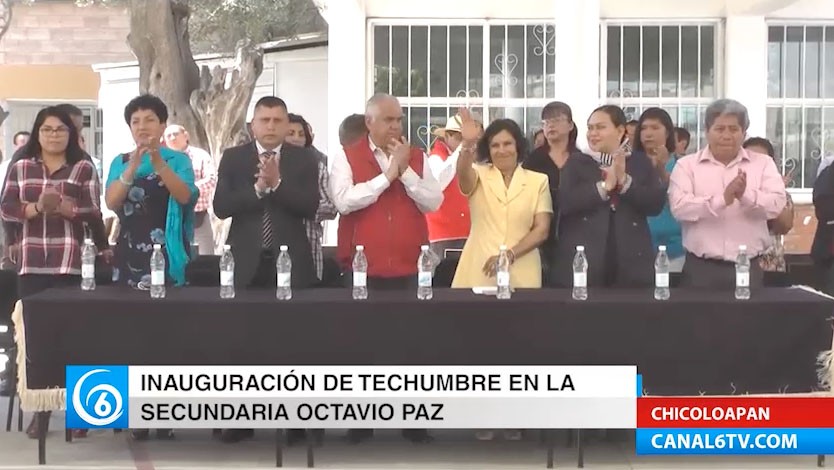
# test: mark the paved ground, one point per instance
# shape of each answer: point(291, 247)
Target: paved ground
point(452, 450)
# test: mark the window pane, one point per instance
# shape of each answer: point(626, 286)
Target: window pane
point(399, 59)
point(774, 135)
point(776, 38)
point(813, 62)
point(793, 142)
point(381, 65)
point(689, 121)
point(533, 122)
point(829, 62)
point(536, 53)
point(793, 61)
point(671, 60)
point(438, 73)
point(828, 135)
point(613, 60)
point(813, 145)
point(425, 134)
point(476, 60)
point(632, 112)
point(515, 60)
point(515, 113)
point(417, 119)
point(419, 60)
point(689, 61)
point(651, 61)
point(631, 61)
point(498, 62)
point(457, 60)
point(707, 61)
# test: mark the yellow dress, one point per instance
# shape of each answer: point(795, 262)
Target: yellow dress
point(503, 216)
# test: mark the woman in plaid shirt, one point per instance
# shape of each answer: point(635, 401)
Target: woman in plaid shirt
point(51, 192)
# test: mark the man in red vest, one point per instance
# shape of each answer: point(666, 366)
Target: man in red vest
point(383, 188)
point(449, 225)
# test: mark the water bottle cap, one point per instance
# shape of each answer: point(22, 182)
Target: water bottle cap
point(424, 247)
point(227, 247)
point(360, 247)
point(88, 241)
point(742, 248)
point(662, 248)
point(157, 246)
point(284, 248)
point(580, 248)
point(503, 248)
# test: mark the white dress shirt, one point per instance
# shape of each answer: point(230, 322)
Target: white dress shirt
point(349, 197)
point(444, 170)
point(261, 151)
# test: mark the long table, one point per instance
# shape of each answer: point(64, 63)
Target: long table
point(698, 342)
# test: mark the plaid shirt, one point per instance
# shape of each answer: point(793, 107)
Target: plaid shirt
point(326, 211)
point(51, 244)
point(205, 176)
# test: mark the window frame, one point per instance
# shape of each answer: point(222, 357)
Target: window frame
point(482, 98)
point(679, 101)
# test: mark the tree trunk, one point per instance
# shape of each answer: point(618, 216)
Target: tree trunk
point(212, 112)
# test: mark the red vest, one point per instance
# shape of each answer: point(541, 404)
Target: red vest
point(391, 229)
point(451, 220)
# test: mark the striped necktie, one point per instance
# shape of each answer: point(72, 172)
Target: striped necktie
point(268, 237)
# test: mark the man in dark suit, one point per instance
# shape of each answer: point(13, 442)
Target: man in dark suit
point(268, 188)
point(822, 250)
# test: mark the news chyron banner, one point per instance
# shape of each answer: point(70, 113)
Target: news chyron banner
point(400, 397)
point(735, 425)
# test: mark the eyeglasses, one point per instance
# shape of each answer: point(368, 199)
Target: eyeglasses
point(555, 121)
point(54, 131)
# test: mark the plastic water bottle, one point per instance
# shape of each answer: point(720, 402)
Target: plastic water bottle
point(742, 274)
point(283, 269)
point(502, 273)
point(661, 274)
point(227, 273)
point(88, 265)
point(580, 274)
point(360, 274)
point(157, 273)
point(425, 265)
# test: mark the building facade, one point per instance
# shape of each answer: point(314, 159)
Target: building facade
point(508, 59)
point(46, 57)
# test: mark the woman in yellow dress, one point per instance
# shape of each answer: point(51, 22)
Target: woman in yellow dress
point(509, 205)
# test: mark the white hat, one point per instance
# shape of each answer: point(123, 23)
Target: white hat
point(453, 124)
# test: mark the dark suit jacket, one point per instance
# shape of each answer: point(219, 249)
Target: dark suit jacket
point(585, 219)
point(824, 210)
point(12, 231)
point(296, 199)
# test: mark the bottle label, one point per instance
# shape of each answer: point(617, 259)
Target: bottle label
point(424, 279)
point(661, 279)
point(360, 279)
point(88, 271)
point(284, 279)
point(742, 279)
point(157, 278)
point(580, 280)
point(503, 279)
point(227, 278)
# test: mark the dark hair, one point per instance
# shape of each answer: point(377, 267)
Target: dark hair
point(70, 109)
point(658, 115)
point(295, 118)
point(33, 148)
point(271, 102)
point(535, 136)
point(683, 134)
point(633, 122)
point(352, 129)
point(760, 142)
point(559, 108)
point(148, 102)
point(496, 127)
point(616, 114)
point(18, 134)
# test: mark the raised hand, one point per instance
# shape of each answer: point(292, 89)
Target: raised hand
point(470, 129)
point(400, 153)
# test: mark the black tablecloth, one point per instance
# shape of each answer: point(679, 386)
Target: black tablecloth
point(699, 341)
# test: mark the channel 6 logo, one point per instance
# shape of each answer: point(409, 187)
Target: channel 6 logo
point(97, 397)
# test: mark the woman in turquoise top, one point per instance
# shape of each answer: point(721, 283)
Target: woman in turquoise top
point(152, 192)
point(655, 136)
